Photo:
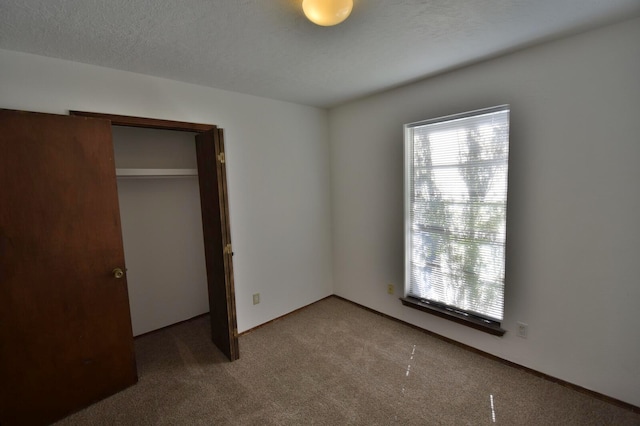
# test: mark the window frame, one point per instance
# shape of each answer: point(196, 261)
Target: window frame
point(442, 310)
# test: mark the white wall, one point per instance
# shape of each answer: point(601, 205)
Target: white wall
point(573, 233)
point(277, 166)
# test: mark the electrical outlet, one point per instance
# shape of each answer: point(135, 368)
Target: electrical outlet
point(523, 330)
point(256, 298)
point(390, 289)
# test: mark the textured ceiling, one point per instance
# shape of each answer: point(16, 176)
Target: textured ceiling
point(267, 47)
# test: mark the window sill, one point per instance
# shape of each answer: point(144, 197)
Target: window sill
point(442, 312)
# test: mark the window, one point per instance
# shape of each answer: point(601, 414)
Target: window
point(455, 216)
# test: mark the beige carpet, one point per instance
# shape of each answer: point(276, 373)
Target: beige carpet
point(334, 363)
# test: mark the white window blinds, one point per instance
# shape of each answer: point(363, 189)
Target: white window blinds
point(456, 198)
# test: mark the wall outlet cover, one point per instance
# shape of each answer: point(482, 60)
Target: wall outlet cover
point(522, 329)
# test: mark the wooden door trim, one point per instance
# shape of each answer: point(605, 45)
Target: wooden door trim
point(147, 123)
point(205, 157)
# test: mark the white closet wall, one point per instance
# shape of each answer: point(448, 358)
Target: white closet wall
point(161, 227)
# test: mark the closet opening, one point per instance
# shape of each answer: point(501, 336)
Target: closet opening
point(173, 203)
point(159, 202)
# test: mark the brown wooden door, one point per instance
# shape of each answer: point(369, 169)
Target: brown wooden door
point(65, 327)
point(212, 176)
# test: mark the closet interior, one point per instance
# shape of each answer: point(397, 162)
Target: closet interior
point(159, 203)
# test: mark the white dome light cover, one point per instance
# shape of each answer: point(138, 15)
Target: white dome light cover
point(327, 12)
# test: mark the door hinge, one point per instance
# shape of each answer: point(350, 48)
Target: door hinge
point(227, 249)
point(221, 157)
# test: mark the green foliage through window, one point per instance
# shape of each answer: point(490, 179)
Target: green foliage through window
point(456, 197)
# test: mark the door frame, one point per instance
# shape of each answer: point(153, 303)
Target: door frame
point(219, 287)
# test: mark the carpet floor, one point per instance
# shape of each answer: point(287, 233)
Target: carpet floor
point(334, 363)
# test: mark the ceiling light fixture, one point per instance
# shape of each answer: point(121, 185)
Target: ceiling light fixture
point(327, 12)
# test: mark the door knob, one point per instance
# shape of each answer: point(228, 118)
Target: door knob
point(117, 272)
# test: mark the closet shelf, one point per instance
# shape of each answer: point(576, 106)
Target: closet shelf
point(154, 173)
